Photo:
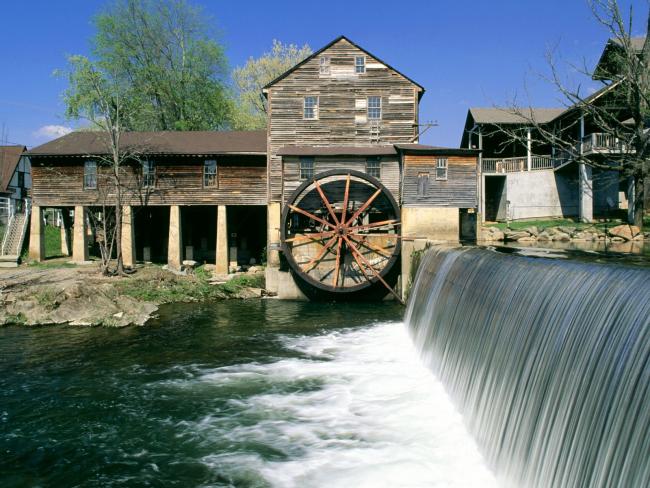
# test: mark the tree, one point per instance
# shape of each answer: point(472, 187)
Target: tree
point(249, 80)
point(102, 100)
point(620, 109)
point(164, 57)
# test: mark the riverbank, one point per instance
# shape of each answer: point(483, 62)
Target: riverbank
point(61, 293)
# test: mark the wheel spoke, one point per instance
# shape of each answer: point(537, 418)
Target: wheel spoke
point(363, 207)
point(375, 272)
point(310, 237)
point(388, 236)
point(346, 198)
point(320, 255)
point(335, 279)
point(383, 223)
point(311, 216)
point(354, 255)
point(364, 242)
point(326, 202)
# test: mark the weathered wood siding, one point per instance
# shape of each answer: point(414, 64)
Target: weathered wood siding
point(179, 181)
point(342, 117)
point(389, 170)
point(459, 190)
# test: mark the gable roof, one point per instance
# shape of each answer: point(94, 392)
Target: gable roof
point(327, 46)
point(495, 115)
point(601, 71)
point(163, 142)
point(9, 158)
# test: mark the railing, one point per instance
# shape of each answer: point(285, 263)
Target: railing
point(598, 141)
point(512, 165)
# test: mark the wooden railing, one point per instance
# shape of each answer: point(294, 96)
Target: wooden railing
point(598, 141)
point(511, 165)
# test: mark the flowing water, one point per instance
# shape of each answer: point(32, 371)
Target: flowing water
point(547, 360)
point(246, 394)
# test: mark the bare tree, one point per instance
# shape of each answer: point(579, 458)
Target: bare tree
point(620, 109)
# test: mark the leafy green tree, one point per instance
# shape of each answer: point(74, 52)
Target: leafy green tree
point(249, 79)
point(164, 55)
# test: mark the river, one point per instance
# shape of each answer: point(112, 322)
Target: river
point(236, 393)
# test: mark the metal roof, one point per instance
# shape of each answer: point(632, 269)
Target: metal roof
point(9, 158)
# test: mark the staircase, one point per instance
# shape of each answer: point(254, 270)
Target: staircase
point(12, 243)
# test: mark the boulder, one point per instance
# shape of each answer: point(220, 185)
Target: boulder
point(527, 239)
point(566, 229)
point(544, 236)
point(515, 235)
point(561, 236)
point(627, 232)
point(532, 230)
point(246, 293)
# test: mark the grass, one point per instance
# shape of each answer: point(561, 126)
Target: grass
point(543, 224)
point(52, 242)
point(47, 298)
point(160, 286)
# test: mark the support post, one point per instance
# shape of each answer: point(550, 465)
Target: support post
point(529, 149)
point(80, 238)
point(66, 237)
point(221, 266)
point(128, 237)
point(36, 235)
point(273, 239)
point(586, 197)
point(175, 242)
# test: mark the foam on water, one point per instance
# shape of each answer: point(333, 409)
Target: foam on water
point(353, 409)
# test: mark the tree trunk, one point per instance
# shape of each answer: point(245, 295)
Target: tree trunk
point(639, 199)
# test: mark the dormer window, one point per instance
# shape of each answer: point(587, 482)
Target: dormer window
point(310, 108)
point(324, 65)
point(360, 64)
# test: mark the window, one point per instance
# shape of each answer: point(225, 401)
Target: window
point(360, 64)
point(423, 184)
point(90, 175)
point(148, 174)
point(324, 65)
point(310, 108)
point(373, 167)
point(374, 108)
point(209, 173)
point(306, 168)
point(441, 169)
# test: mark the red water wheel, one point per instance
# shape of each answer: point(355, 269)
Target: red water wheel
point(341, 232)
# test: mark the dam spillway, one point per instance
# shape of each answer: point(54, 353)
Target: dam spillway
point(547, 360)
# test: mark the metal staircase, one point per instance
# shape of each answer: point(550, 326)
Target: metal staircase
point(12, 243)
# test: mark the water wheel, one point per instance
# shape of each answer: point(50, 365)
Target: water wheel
point(341, 232)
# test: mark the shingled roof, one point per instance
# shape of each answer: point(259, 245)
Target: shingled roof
point(163, 142)
point(9, 158)
point(507, 116)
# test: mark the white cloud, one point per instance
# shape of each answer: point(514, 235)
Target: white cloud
point(52, 131)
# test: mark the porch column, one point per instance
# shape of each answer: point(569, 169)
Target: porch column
point(36, 235)
point(128, 237)
point(175, 243)
point(66, 237)
point(585, 197)
point(222, 241)
point(80, 237)
point(529, 150)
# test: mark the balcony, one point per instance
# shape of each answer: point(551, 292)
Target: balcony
point(512, 165)
point(598, 142)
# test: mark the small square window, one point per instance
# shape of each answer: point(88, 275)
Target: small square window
point(441, 169)
point(209, 173)
point(324, 65)
point(423, 184)
point(148, 174)
point(360, 64)
point(306, 168)
point(373, 167)
point(310, 108)
point(90, 175)
point(374, 108)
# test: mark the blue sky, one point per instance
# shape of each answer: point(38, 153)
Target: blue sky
point(465, 53)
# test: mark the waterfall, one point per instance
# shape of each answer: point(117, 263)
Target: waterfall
point(547, 360)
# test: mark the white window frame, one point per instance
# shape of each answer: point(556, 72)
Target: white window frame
point(442, 167)
point(373, 108)
point(148, 174)
point(314, 108)
point(90, 184)
point(210, 177)
point(324, 65)
point(359, 68)
point(423, 186)
point(372, 161)
point(307, 161)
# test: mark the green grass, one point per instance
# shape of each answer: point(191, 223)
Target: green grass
point(160, 286)
point(543, 224)
point(48, 264)
point(52, 242)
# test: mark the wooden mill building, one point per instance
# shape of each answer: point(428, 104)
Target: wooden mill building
point(224, 197)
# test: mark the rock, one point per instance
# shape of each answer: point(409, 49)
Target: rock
point(190, 263)
point(544, 236)
point(527, 239)
point(561, 236)
point(209, 267)
point(566, 229)
point(618, 239)
point(626, 232)
point(582, 236)
point(494, 234)
point(532, 230)
point(254, 269)
point(638, 237)
point(514, 235)
point(246, 293)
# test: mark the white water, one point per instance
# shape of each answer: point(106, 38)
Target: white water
point(370, 415)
